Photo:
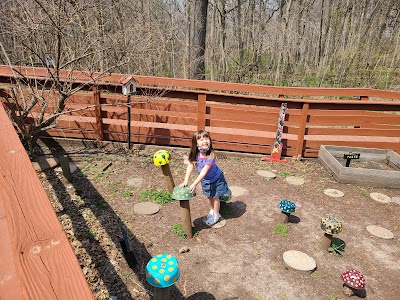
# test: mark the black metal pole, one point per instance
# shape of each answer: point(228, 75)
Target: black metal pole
point(129, 121)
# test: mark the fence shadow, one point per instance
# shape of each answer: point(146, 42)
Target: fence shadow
point(90, 198)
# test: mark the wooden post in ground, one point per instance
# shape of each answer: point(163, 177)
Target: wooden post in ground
point(168, 177)
point(326, 241)
point(186, 218)
point(302, 130)
point(201, 111)
point(64, 162)
point(98, 113)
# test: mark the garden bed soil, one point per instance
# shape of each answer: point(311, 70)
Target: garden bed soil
point(243, 259)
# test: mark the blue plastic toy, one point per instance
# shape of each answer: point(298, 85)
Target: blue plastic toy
point(162, 271)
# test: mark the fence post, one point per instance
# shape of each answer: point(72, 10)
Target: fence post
point(302, 130)
point(201, 111)
point(98, 113)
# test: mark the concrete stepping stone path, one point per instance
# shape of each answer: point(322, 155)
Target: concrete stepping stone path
point(380, 232)
point(299, 260)
point(294, 180)
point(136, 182)
point(396, 200)
point(266, 174)
point(333, 193)
point(146, 208)
point(380, 197)
point(238, 191)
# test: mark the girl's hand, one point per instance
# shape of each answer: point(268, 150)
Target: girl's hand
point(193, 188)
point(182, 185)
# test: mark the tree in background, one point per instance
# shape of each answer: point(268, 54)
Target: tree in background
point(279, 42)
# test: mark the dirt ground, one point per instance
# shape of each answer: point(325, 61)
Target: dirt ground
point(243, 259)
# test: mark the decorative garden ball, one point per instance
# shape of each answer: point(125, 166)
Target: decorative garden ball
point(353, 282)
point(161, 158)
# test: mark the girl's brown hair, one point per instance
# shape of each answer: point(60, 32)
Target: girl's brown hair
point(194, 150)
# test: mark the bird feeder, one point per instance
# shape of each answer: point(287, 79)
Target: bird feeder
point(353, 283)
point(287, 207)
point(330, 226)
point(161, 159)
point(129, 85)
point(162, 271)
point(184, 195)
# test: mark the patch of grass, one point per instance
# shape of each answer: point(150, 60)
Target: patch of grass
point(178, 229)
point(281, 229)
point(364, 192)
point(102, 175)
point(285, 174)
point(91, 235)
point(126, 194)
point(333, 298)
point(159, 197)
point(315, 274)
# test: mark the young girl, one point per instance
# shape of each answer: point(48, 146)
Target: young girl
point(212, 179)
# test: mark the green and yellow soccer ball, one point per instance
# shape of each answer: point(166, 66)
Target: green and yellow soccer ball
point(161, 157)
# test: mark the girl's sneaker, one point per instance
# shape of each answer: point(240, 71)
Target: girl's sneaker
point(213, 220)
point(210, 216)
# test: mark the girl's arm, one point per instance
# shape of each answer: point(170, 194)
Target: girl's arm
point(189, 170)
point(199, 178)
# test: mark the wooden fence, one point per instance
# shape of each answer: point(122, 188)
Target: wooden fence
point(36, 259)
point(240, 117)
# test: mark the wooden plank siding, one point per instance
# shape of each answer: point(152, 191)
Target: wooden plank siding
point(36, 259)
point(245, 121)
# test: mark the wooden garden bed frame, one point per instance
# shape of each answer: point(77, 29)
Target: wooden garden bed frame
point(36, 259)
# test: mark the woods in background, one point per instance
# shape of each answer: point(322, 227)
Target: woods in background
point(306, 42)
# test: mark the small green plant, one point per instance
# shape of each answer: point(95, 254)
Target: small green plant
point(364, 192)
point(91, 234)
point(159, 197)
point(178, 229)
point(336, 249)
point(281, 229)
point(285, 173)
point(126, 194)
point(102, 175)
point(333, 298)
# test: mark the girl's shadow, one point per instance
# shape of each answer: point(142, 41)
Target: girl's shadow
point(228, 210)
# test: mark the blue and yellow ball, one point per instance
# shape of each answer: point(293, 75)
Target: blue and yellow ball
point(161, 157)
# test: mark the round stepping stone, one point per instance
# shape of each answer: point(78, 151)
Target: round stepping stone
point(380, 232)
point(136, 182)
point(299, 260)
point(333, 193)
point(266, 174)
point(238, 191)
point(146, 208)
point(294, 180)
point(221, 223)
point(380, 197)
point(396, 200)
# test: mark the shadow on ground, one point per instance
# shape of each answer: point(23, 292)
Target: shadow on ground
point(110, 221)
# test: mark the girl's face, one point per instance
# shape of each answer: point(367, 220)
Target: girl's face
point(203, 142)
